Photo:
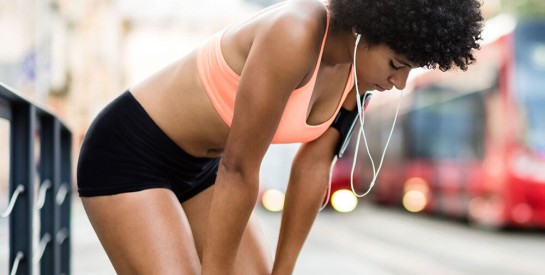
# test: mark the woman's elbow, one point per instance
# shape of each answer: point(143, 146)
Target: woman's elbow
point(239, 175)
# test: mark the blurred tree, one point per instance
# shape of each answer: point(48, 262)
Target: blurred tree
point(527, 9)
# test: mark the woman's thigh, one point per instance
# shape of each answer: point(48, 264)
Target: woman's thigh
point(253, 255)
point(144, 232)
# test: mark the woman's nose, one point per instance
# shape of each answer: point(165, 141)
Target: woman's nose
point(399, 79)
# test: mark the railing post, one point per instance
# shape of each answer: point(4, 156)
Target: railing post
point(22, 172)
point(63, 235)
point(50, 166)
point(54, 195)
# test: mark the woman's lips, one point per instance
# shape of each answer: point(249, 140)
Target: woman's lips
point(379, 88)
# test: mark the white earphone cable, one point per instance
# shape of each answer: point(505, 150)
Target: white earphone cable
point(329, 184)
point(361, 118)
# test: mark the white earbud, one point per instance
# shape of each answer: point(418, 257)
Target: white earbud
point(358, 37)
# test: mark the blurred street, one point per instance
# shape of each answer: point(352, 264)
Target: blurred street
point(373, 240)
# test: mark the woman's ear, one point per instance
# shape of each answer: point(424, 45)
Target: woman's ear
point(355, 31)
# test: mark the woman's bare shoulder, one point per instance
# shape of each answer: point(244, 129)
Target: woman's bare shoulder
point(302, 16)
point(292, 17)
point(300, 24)
point(292, 30)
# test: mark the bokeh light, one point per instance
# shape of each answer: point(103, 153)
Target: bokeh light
point(344, 201)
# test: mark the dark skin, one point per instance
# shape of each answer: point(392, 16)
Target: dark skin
point(274, 53)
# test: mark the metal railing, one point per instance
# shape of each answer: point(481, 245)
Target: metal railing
point(27, 121)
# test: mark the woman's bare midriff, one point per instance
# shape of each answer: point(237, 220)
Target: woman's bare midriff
point(174, 98)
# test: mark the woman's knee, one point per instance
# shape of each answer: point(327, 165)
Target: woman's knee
point(253, 256)
point(144, 238)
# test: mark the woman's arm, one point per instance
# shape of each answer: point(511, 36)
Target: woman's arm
point(278, 61)
point(307, 186)
point(306, 189)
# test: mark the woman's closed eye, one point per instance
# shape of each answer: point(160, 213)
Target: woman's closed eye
point(393, 66)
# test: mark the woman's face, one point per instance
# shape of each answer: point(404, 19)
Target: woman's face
point(380, 68)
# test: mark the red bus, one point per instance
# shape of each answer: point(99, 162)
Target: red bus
point(470, 144)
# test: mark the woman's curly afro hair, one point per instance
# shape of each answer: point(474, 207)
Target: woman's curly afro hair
point(430, 33)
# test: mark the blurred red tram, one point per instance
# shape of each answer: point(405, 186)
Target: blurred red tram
point(469, 144)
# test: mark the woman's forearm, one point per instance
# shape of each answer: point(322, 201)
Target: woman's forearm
point(304, 198)
point(233, 200)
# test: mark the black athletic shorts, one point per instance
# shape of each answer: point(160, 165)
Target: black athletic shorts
point(125, 151)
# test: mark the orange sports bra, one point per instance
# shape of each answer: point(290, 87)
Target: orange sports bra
point(221, 84)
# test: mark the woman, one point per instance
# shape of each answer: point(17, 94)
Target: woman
point(168, 172)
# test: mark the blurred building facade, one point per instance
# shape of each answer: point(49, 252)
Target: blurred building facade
point(75, 56)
